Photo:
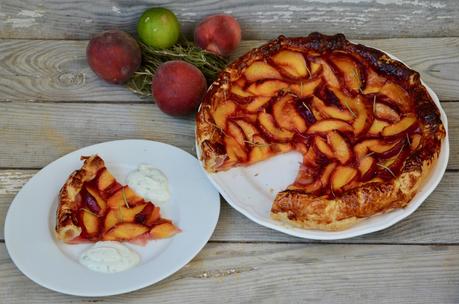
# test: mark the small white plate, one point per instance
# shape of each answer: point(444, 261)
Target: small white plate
point(29, 227)
point(251, 190)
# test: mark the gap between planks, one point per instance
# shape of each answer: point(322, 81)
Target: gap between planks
point(317, 242)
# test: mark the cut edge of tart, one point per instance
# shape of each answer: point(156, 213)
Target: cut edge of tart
point(93, 206)
point(367, 128)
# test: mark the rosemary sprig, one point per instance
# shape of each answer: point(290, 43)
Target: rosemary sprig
point(387, 169)
point(209, 64)
point(124, 198)
point(374, 105)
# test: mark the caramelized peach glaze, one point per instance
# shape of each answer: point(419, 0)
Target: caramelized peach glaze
point(356, 115)
point(106, 210)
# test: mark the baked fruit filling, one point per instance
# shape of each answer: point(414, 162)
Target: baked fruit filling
point(94, 206)
point(361, 120)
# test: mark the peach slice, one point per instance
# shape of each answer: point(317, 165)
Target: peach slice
point(366, 166)
point(236, 133)
point(339, 146)
point(267, 88)
point(99, 200)
point(415, 141)
point(291, 62)
point(267, 123)
point(345, 100)
point(281, 147)
point(377, 126)
point(375, 146)
point(248, 129)
point(325, 176)
point(164, 230)
point(327, 125)
point(240, 82)
point(234, 150)
point(261, 70)
point(330, 111)
point(305, 176)
point(399, 127)
point(123, 196)
point(362, 121)
point(286, 116)
point(312, 187)
point(305, 88)
point(328, 73)
point(125, 231)
point(342, 176)
point(123, 214)
point(261, 150)
point(397, 94)
point(221, 113)
point(237, 90)
point(256, 104)
point(380, 147)
point(90, 222)
point(105, 180)
point(350, 71)
point(147, 216)
point(323, 147)
point(310, 157)
point(385, 112)
point(315, 67)
point(357, 106)
point(374, 82)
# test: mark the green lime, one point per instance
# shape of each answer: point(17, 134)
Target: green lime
point(158, 27)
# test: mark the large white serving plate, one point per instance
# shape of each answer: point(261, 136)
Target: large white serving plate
point(29, 225)
point(251, 190)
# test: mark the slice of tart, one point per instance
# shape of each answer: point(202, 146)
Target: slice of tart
point(367, 128)
point(94, 206)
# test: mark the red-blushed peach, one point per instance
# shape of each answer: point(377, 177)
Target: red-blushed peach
point(178, 87)
point(219, 34)
point(114, 56)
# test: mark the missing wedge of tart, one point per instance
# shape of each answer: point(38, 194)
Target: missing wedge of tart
point(93, 207)
point(367, 128)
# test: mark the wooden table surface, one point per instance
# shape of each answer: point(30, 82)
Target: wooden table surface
point(51, 104)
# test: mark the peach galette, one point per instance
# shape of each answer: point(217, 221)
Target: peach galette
point(367, 128)
point(93, 206)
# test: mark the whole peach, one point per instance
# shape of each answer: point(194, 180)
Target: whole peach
point(114, 56)
point(219, 34)
point(178, 87)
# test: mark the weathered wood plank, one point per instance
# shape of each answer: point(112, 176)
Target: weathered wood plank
point(34, 134)
point(259, 19)
point(434, 222)
point(40, 70)
point(276, 273)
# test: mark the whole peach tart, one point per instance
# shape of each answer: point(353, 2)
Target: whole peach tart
point(367, 128)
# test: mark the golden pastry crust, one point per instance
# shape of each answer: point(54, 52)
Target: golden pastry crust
point(304, 205)
point(310, 212)
point(67, 227)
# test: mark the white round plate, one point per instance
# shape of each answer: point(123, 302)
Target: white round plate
point(251, 190)
point(29, 227)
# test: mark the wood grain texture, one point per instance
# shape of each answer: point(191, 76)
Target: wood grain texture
point(43, 70)
point(34, 134)
point(279, 273)
point(434, 222)
point(259, 19)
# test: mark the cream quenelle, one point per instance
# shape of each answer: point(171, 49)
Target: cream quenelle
point(150, 183)
point(109, 257)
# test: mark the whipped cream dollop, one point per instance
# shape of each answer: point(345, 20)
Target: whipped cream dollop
point(109, 257)
point(151, 183)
